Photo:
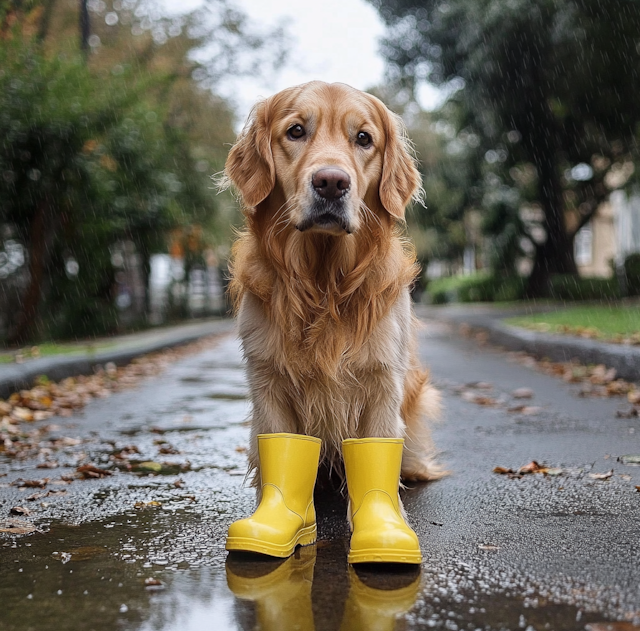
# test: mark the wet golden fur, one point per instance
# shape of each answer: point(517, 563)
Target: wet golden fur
point(325, 316)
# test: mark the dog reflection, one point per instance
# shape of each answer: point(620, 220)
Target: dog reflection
point(281, 592)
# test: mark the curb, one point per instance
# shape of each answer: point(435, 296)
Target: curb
point(15, 377)
point(625, 359)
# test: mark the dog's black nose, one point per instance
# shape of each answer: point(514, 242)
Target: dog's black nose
point(331, 183)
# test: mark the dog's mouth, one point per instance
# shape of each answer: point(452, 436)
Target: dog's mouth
point(326, 217)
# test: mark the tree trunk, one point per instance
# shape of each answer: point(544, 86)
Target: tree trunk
point(85, 27)
point(37, 255)
point(555, 255)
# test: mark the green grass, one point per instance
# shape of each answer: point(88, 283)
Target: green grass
point(51, 348)
point(614, 323)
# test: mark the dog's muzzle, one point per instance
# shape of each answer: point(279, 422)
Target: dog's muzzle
point(330, 187)
point(326, 216)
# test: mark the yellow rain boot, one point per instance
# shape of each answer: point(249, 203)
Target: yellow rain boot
point(283, 596)
point(285, 516)
point(379, 531)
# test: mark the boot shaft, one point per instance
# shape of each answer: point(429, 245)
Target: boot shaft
point(372, 464)
point(290, 463)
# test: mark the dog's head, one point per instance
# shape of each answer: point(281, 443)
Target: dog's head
point(332, 152)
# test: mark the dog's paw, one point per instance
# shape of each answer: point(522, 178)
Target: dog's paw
point(425, 470)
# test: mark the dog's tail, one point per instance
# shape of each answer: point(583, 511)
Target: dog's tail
point(421, 407)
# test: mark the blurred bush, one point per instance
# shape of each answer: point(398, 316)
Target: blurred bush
point(568, 287)
point(480, 287)
point(486, 287)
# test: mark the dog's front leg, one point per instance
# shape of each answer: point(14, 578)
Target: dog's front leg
point(381, 411)
point(272, 409)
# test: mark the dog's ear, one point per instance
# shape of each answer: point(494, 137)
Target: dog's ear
point(250, 162)
point(400, 180)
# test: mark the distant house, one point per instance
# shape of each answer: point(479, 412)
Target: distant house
point(611, 235)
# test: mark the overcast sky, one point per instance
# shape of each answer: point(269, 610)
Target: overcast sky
point(333, 40)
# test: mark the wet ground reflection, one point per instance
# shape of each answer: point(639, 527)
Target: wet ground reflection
point(150, 570)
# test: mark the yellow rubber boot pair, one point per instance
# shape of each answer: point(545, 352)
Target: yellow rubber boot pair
point(285, 516)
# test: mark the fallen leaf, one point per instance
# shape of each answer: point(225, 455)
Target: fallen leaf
point(522, 393)
point(35, 496)
point(31, 484)
point(502, 470)
point(533, 467)
point(17, 526)
point(528, 410)
point(634, 397)
point(145, 504)
point(601, 476)
point(168, 449)
point(554, 471)
point(479, 385)
point(631, 459)
point(89, 471)
point(156, 467)
point(153, 584)
point(20, 511)
point(478, 399)
point(49, 464)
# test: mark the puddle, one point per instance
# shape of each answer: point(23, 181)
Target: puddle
point(148, 570)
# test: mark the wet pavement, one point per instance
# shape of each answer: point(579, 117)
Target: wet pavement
point(143, 548)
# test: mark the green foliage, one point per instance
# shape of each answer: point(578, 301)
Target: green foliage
point(85, 162)
point(569, 287)
point(479, 287)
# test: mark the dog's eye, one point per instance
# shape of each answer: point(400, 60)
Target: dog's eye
point(363, 139)
point(296, 132)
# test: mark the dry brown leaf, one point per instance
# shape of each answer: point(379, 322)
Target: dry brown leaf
point(48, 464)
point(522, 393)
point(20, 511)
point(533, 467)
point(502, 470)
point(91, 471)
point(601, 476)
point(15, 526)
point(31, 484)
point(634, 397)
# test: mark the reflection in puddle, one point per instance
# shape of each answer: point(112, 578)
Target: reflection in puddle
point(76, 578)
point(373, 605)
point(282, 595)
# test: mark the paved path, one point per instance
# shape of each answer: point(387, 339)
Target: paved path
point(534, 553)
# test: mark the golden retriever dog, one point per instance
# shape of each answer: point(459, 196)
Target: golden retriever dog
point(320, 277)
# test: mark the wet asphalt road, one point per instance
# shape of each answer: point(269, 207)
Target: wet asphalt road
point(556, 552)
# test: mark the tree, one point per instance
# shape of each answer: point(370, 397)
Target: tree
point(560, 76)
point(115, 145)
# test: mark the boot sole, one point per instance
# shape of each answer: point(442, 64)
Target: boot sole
point(304, 537)
point(382, 555)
